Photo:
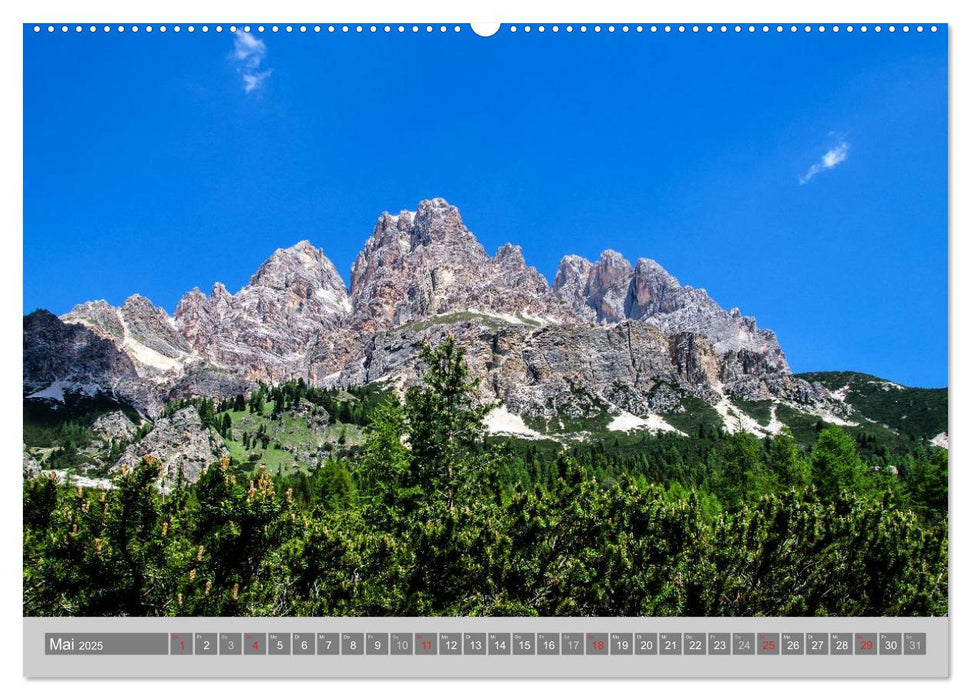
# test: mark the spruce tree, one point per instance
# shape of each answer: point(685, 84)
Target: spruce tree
point(443, 420)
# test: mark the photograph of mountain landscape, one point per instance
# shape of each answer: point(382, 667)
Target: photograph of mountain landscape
point(271, 366)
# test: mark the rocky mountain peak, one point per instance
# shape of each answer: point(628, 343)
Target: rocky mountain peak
point(511, 257)
point(426, 264)
point(98, 315)
point(611, 290)
point(394, 228)
point(437, 221)
point(267, 328)
point(145, 332)
point(653, 290)
point(219, 293)
point(570, 281)
point(595, 291)
point(434, 224)
point(301, 269)
point(610, 258)
point(608, 286)
point(136, 303)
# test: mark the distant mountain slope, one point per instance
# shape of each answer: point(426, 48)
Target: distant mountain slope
point(919, 413)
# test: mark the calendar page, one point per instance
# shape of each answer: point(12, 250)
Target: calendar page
point(485, 350)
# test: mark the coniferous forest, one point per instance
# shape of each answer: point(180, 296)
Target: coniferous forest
point(429, 516)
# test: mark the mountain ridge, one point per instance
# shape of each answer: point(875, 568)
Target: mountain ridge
point(628, 334)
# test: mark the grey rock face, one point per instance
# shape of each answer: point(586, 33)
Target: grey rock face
point(601, 288)
point(612, 289)
point(61, 357)
point(114, 426)
point(203, 379)
point(151, 326)
point(652, 291)
point(541, 371)
point(142, 330)
point(266, 329)
point(178, 442)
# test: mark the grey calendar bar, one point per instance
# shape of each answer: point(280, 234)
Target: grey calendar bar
point(517, 643)
point(481, 647)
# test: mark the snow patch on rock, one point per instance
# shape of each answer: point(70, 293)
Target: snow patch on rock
point(840, 394)
point(887, 386)
point(500, 421)
point(64, 477)
point(56, 390)
point(151, 358)
point(737, 421)
point(827, 416)
point(775, 425)
point(625, 422)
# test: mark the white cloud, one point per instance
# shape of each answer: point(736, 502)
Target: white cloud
point(252, 81)
point(830, 160)
point(248, 54)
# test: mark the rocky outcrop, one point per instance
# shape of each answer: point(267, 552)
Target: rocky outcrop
point(114, 426)
point(539, 371)
point(31, 466)
point(180, 443)
point(612, 290)
point(204, 379)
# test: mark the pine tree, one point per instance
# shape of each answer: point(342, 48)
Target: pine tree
point(443, 421)
point(836, 464)
point(784, 460)
point(383, 467)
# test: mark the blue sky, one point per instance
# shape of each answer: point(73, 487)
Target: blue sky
point(800, 177)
